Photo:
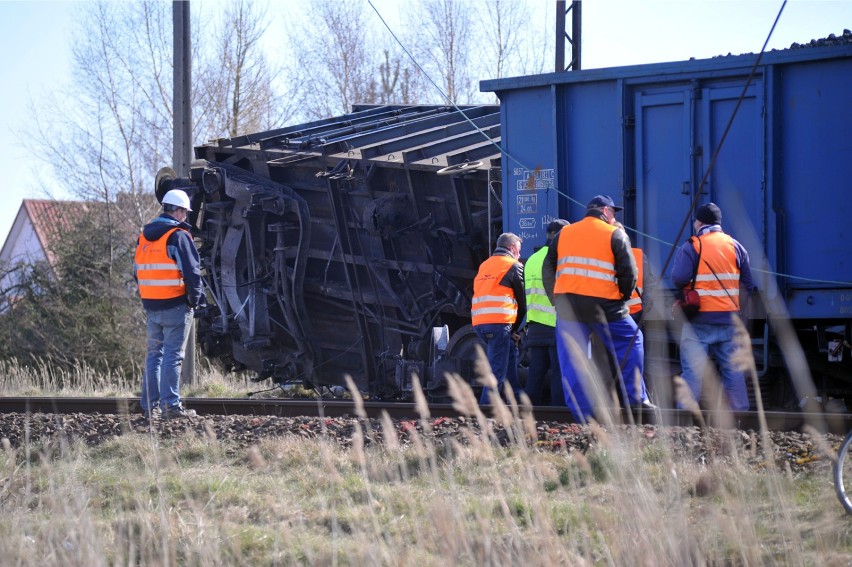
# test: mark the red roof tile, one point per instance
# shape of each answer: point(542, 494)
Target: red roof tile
point(51, 219)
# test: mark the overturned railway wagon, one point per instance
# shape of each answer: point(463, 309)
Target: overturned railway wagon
point(349, 245)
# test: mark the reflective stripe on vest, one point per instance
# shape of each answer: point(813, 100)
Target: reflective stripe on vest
point(492, 302)
point(539, 308)
point(635, 301)
point(586, 264)
point(719, 292)
point(157, 274)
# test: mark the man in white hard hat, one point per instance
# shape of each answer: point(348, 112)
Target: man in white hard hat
point(167, 270)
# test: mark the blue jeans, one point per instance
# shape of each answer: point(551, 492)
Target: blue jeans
point(502, 354)
point(544, 359)
point(615, 346)
point(702, 342)
point(167, 333)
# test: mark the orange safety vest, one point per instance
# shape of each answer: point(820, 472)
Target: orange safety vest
point(635, 301)
point(492, 302)
point(719, 291)
point(586, 264)
point(157, 274)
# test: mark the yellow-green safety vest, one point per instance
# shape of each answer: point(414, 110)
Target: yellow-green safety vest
point(539, 308)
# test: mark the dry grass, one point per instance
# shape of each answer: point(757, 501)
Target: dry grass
point(199, 501)
point(45, 379)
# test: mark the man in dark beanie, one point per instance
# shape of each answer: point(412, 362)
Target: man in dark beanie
point(709, 214)
point(720, 266)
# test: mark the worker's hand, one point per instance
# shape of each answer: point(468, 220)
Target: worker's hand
point(516, 337)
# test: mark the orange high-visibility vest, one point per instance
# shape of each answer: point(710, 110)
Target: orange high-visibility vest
point(719, 291)
point(635, 301)
point(586, 264)
point(492, 302)
point(157, 274)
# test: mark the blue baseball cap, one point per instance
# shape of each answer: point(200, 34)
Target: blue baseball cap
point(604, 201)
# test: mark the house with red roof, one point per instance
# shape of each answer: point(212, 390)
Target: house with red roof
point(39, 224)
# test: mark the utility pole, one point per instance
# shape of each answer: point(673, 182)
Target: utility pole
point(574, 39)
point(182, 132)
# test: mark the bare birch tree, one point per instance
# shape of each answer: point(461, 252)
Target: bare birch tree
point(117, 131)
point(536, 52)
point(337, 57)
point(440, 35)
point(237, 85)
point(503, 26)
point(110, 132)
point(398, 83)
point(347, 59)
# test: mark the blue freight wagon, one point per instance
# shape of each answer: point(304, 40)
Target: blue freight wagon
point(647, 135)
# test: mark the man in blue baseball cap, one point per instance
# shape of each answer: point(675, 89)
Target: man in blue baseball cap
point(601, 201)
point(589, 273)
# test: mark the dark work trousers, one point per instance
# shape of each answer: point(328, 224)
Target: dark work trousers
point(544, 376)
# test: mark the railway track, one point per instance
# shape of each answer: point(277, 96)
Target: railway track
point(775, 421)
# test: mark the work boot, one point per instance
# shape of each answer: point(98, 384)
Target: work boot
point(178, 411)
point(153, 414)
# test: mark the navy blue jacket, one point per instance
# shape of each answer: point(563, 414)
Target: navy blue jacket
point(181, 249)
point(514, 279)
point(684, 268)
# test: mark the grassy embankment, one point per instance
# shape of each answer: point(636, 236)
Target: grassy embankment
point(138, 499)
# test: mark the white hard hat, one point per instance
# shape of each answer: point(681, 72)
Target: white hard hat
point(177, 198)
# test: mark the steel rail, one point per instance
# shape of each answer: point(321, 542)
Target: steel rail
point(838, 423)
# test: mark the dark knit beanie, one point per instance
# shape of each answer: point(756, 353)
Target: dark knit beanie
point(709, 214)
point(556, 226)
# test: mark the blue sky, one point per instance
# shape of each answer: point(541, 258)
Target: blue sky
point(35, 42)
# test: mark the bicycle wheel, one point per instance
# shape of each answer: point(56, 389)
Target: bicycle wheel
point(843, 473)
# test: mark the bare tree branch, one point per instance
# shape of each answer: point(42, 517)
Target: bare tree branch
point(443, 42)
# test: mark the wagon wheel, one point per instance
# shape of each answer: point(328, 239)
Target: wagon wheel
point(162, 182)
point(462, 346)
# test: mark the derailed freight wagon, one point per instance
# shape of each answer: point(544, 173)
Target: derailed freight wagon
point(783, 177)
point(348, 246)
